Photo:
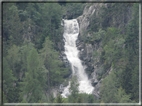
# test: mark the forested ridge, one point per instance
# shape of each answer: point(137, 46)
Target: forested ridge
point(32, 42)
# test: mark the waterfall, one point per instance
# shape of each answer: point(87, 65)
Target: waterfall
point(71, 32)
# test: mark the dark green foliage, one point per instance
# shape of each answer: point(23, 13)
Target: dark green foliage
point(14, 60)
point(132, 47)
point(26, 71)
point(31, 63)
point(73, 10)
point(111, 15)
point(9, 86)
point(77, 97)
point(112, 92)
point(40, 20)
point(74, 90)
point(51, 61)
point(12, 27)
point(4, 98)
point(82, 98)
point(119, 41)
point(32, 85)
point(59, 99)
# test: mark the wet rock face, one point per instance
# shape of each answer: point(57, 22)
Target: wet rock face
point(66, 64)
point(84, 19)
point(91, 63)
point(87, 49)
point(85, 55)
point(60, 46)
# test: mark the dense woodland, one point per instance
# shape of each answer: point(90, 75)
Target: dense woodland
point(119, 39)
point(31, 35)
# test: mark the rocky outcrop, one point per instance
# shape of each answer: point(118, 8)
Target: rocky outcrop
point(92, 64)
point(86, 49)
point(90, 51)
point(84, 19)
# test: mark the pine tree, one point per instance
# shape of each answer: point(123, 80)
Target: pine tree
point(32, 85)
point(74, 91)
point(121, 96)
point(109, 88)
point(12, 30)
point(52, 63)
point(8, 83)
point(59, 99)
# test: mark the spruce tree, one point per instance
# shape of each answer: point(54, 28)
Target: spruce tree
point(32, 85)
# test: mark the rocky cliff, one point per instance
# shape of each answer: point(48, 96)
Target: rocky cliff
point(90, 20)
point(96, 18)
point(86, 49)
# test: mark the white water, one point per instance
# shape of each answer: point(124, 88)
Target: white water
point(71, 32)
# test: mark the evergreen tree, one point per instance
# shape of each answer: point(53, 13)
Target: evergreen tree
point(131, 73)
point(74, 91)
point(12, 29)
point(52, 63)
point(109, 88)
point(121, 96)
point(59, 99)
point(14, 60)
point(32, 85)
point(9, 87)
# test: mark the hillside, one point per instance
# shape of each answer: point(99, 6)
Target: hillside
point(36, 68)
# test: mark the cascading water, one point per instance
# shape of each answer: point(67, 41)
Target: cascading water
point(71, 32)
